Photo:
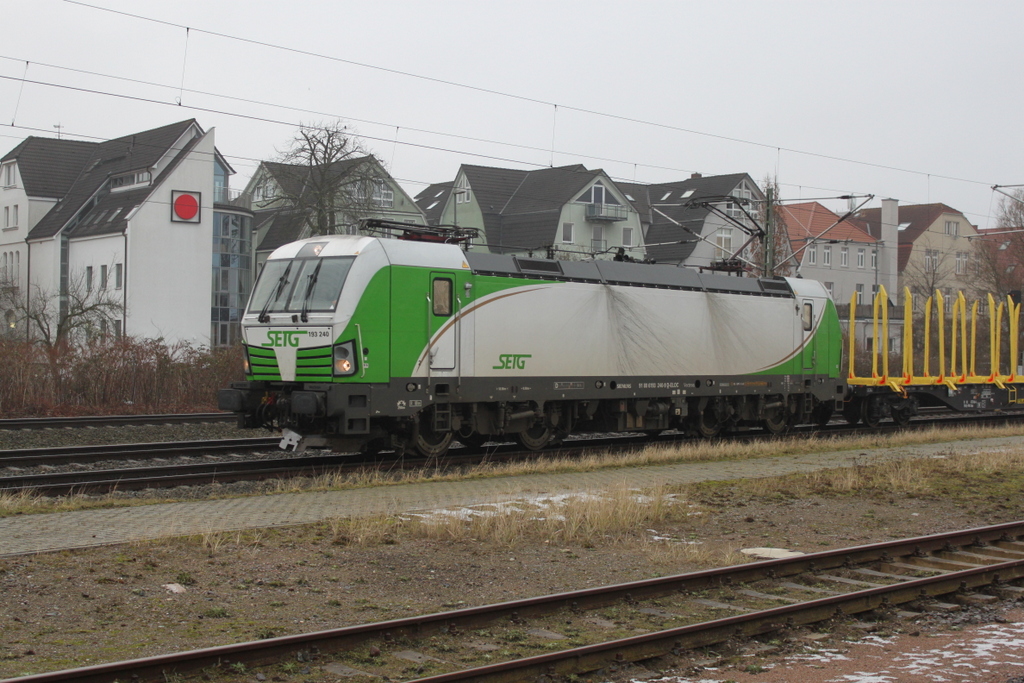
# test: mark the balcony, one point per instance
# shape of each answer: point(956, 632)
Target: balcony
point(233, 198)
point(606, 212)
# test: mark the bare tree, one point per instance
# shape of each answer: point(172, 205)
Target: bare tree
point(326, 175)
point(1000, 257)
point(58, 326)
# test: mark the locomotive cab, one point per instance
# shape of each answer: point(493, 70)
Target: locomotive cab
point(323, 334)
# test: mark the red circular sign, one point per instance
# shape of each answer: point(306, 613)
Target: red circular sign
point(186, 207)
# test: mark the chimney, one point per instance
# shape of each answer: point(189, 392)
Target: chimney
point(888, 248)
point(695, 175)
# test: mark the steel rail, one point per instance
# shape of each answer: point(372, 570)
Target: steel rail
point(199, 474)
point(113, 420)
point(597, 656)
point(27, 457)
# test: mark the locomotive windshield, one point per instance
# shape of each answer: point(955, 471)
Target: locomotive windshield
point(295, 285)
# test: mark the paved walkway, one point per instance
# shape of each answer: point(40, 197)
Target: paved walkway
point(63, 530)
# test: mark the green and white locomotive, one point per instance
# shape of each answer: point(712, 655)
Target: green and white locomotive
point(369, 343)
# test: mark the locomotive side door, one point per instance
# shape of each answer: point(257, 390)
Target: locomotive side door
point(806, 331)
point(441, 318)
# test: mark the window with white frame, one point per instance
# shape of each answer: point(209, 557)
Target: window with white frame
point(130, 179)
point(844, 257)
point(953, 228)
point(567, 236)
point(829, 287)
point(88, 279)
point(861, 257)
point(118, 275)
point(9, 174)
point(826, 255)
point(874, 259)
point(627, 237)
point(931, 260)
point(264, 191)
point(103, 277)
point(463, 193)
point(860, 294)
point(812, 255)
point(723, 243)
point(383, 195)
point(961, 262)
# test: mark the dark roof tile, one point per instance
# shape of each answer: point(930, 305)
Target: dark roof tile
point(136, 151)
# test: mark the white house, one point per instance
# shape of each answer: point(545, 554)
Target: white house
point(141, 217)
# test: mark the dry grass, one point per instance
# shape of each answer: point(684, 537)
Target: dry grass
point(937, 475)
point(584, 519)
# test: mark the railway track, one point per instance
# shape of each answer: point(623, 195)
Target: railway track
point(231, 469)
point(113, 420)
point(598, 629)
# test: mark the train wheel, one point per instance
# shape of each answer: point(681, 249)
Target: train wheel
point(871, 411)
point(430, 444)
point(535, 438)
point(901, 414)
point(706, 423)
point(775, 420)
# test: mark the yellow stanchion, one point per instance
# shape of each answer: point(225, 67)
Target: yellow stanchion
point(940, 321)
point(952, 337)
point(874, 339)
point(908, 335)
point(852, 334)
point(974, 339)
point(882, 300)
point(962, 302)
point(1013, 313)
point(926, 362)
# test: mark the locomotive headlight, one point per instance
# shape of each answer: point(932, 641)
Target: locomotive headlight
point(344, 359)
point(246, 366)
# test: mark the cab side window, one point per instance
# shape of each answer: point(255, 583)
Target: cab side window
point(807, 316)
point(442, 296)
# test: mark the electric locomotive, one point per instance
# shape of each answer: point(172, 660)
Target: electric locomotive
point(367, 343)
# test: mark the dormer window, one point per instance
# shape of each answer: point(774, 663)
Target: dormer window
point(133, 179)
point(597, 194)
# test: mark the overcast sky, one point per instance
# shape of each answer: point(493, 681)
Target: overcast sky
point(919, 101)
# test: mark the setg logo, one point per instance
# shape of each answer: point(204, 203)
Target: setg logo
point(512, 361)
point(282, 338)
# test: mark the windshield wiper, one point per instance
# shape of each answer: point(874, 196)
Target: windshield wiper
point(281, 282)
point(309, 290)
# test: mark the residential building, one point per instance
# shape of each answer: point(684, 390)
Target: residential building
point(287, 199)
point(698, 221)
point(136, 220)
point(935, 249)
point(567, 211)
point(848, 260)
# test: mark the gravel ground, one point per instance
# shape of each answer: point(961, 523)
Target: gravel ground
point(70, 609)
